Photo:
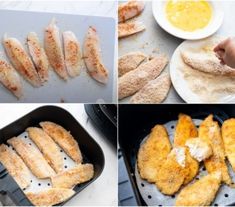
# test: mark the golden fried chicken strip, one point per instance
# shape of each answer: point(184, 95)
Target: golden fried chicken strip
point(200, 193)
point(186, 129)
point(228, 134)
point(209, 131)
point(153, 152)
point(171, 174)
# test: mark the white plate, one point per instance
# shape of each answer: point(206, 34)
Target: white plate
point(82, 89)
point(178, 81)
point(158, 8)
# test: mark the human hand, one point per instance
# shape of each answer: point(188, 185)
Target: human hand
point(225, 51)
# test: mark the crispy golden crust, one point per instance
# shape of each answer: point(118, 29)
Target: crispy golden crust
point(228, 134)
point(92, 57)
point(79, 174)
point(48, 147)
point(50, 197)
point(170, 176)
point(209, 131)
point(153, 152)
point(130, 28)
point(32, 158)
point(64, 139)
point(21, 60)
point(54, 51)
point(15, 166)
point(129, 10)
point(72, 53)
point(38, 55)
point(185, 129)
point(200, 193)
point(10, 78)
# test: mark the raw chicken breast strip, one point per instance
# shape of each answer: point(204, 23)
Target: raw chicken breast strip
point(129, 10)
point(21, 60)
point(38, 55)
point(54, 51)
point(92, 57)
point(10, 78)
point(72, 52)
point(130, 28)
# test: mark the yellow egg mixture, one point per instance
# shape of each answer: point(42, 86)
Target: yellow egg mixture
point(188, 15)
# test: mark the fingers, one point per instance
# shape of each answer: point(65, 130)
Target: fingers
point(221, 45)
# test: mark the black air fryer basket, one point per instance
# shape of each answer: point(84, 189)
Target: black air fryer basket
point(91, 151)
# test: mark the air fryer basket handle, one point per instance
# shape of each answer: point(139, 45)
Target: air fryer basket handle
point(9, 186)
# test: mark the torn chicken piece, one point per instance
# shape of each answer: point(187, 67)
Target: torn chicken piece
point(32, 158)
point(130, 62)
point(74, 176)
point(199, 149)
point(134, 80)
point(48, 147)
point(206, 63)
point(54, 50)
point(92, 57)
point(72, 52)
point(10, 79)
point(50, 196)
point(64, 139)
point(15, 166)
point(130, 28)
point(194, 194)
point(21, 60)
point(153, 152)
point(209, 131)
point(153, 92)
point(38, 55)
point(171, 174)
point(129, 10)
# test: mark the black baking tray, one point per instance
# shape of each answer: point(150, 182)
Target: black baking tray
point(91, 151)
point(136, 121)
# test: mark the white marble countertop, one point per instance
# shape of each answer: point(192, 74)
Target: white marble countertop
point(103, 191)
point(106, 8)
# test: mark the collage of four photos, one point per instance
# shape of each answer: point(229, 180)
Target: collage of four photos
point(117, 103)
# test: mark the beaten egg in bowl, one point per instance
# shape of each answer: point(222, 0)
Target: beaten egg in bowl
point(189, 15)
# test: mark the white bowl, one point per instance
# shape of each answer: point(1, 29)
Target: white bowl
point(158, 8)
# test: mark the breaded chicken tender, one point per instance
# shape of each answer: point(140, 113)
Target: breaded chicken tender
point(200, 193)
point(153, 152)
point(209, 131)
point(171, 175)
point(186, 129)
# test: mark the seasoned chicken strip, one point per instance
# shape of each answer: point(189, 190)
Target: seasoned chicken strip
point(38, 55)
point(130, 28)
point(153, 153)
point(170, 176)
point(200, 193)
point(77, 175)
point(206, 63)
point(154, 91)
point(32, 158)
point(72, 52)
point(10, 79)
point(92, 57)
point(185, 129)
point(130, 62)
point(50, 196)
point(129, 10)
point(64, 139)
point(21, 60)
point(209, 131)
point(199, 149)
point(228, 134)
point(15, 166)
point(48, 147)
point(136, 79)
point(54, 51)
